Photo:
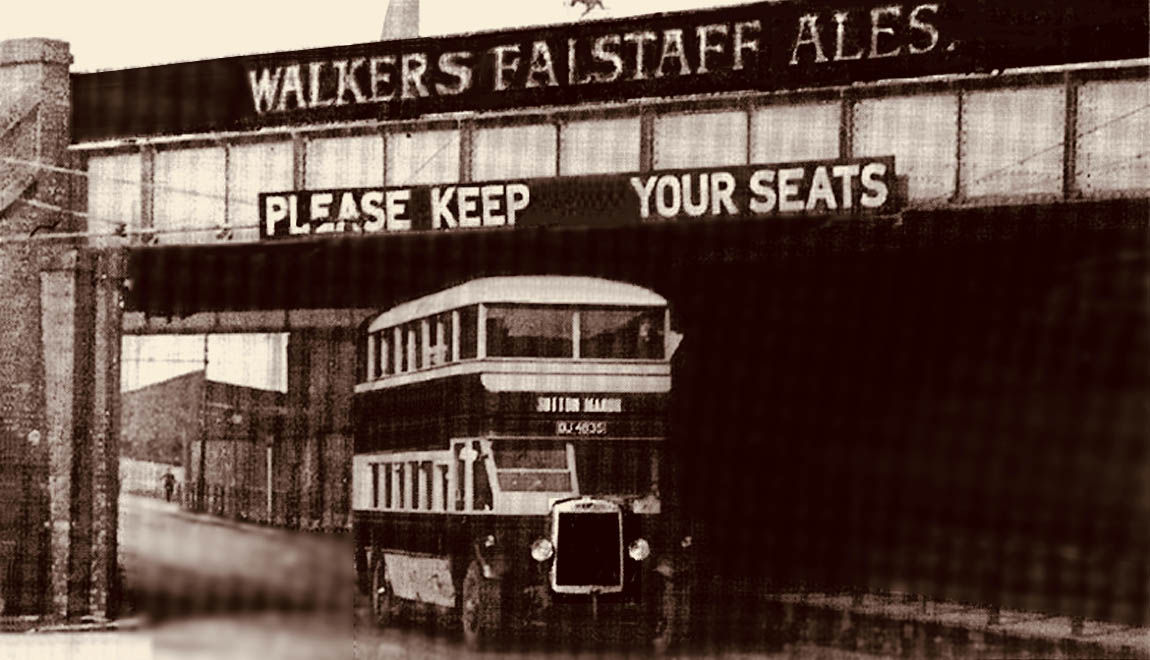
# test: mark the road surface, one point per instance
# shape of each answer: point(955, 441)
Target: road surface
point(208, 589)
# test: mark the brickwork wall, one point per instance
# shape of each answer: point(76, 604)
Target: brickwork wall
point(159, 420)
point(166, 421)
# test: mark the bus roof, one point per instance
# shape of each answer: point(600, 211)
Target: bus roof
point(525, 289)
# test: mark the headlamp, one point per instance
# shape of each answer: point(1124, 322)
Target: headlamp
point(639, 549)
point(541, 550)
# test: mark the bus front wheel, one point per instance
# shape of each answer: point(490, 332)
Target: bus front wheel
point(480, 607)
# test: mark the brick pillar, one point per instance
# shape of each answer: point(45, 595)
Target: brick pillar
point(59, 370)
point(80, 324)
point(34, 120)
point(106, 318)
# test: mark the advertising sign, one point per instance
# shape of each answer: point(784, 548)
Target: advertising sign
point(826, 188)
point(760, 46)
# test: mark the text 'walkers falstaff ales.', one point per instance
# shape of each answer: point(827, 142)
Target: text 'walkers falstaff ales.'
point(557, 60)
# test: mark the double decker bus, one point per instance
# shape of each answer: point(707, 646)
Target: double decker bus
point(509, 439)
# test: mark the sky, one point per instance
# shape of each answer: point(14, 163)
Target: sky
point(116, 34)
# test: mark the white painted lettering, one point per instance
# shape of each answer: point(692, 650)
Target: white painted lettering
point(468, 197)
point(695, 207)
point(704, 33)
point(742, 43)
point(454, 65)
point(722, 189)
point(346, 81)
point(378, 75)
point(441, 208)
point(414, 66)
point(840, 38)
point(601, 53)
point(640, 39)
point(876, 30)
point(291, 87)
point(320, 206)
point(918, 24)
point(574, 76)
point(348, 209)
point(396, 202)
point(314, 69)
point(518, 197)
point(541, 64)
point(673, 50)
point(491, 197)
point(373, 206)
point(876, 192)
point(808, 26)
point(504, 66)
point(265, 88)
point(668, 184)
point(821, 190)
point(846, 173)
point(643, 188)
point(275, 212)
point(789, 179)
point(763, 200)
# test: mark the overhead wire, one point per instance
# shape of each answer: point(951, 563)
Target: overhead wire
point(131, 229)
point(1061, 143)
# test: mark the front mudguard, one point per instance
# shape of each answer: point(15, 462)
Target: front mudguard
point(491, 558)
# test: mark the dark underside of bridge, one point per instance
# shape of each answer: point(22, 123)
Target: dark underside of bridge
point(954, 405)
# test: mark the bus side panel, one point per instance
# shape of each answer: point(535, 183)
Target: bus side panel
point(452, 536)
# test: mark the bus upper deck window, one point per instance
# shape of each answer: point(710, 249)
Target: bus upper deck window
point(529, 331)
point(400, 364)
point(468, 332)
point(439, 339)
point(381, 354)
point(414, 345)
point(448, 333)
point(635, 334)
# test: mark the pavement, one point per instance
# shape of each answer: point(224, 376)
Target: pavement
point(900, 624)
point(176, 563)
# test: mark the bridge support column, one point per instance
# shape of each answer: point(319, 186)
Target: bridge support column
point(80, 323)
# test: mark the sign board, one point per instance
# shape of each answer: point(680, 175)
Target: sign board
point(840, 187)
point(760, 46)
point(579, 414)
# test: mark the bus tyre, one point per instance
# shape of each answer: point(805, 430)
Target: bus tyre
point(480, 607)
point(382, 602)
